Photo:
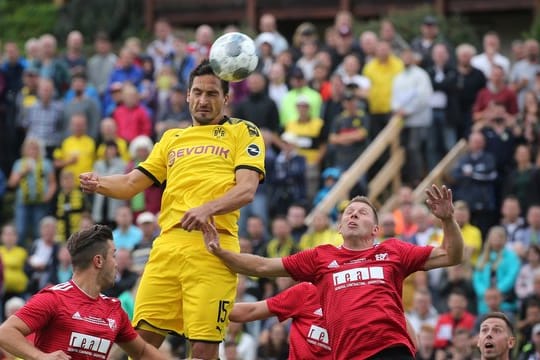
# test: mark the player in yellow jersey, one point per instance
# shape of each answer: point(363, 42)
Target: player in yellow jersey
point(212, 169)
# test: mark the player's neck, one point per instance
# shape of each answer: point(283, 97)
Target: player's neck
point(358, 243)
point(87, 285)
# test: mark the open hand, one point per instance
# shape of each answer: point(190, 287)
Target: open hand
point(211, 237)
point(439, 201)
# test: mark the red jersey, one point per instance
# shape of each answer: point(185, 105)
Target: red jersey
point(360, 293)
point(65, 318)
point(308, 337)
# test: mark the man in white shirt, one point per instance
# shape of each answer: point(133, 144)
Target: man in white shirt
point(491, 55)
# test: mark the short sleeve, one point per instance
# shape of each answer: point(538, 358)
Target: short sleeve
point(38, 311)
point(155, 166)
point(413, 257)
point(250, 151)
point(301, 266)
point(126, 332)
point(289, 302)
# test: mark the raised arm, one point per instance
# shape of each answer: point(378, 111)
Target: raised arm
point(121, 186)
point(239, 195)
point(450, 252)
point(250, 311)
point(13, 334)
point(247, 264)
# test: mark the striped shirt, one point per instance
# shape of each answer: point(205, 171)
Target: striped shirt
point(45, 122)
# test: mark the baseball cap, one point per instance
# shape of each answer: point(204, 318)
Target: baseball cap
point(430, 20)
point(146, 217)
point(331, 172)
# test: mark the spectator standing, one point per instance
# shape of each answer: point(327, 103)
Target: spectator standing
point(77, 152)
point(491, 56)
point(101, 64)
point(162, 46)
point(268, 24)
point(82, 101)
point(381, 71)
point(34, 178)
point(474, 175)
point(131, 117)
point(13, 260)
point(411, 95)
point(104, 208)
point(52, 67)
point(470, 81)
point(45, 119)
point(74, 58)
point(456, 317)
point(429, 36)
point(498, 267)
point(70, 205)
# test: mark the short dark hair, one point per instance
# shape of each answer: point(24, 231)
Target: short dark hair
point(85, 244)
point(204, 68)
point(365, 200)
point(502, 316)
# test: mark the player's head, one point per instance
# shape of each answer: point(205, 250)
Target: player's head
point(204, 68)
point(94, 247)
point(496, 336)
point(207, 96)
point(359, 219)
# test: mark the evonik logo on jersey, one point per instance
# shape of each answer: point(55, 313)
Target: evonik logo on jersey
point(89, 345)
point(197, 150)
point(358, 277)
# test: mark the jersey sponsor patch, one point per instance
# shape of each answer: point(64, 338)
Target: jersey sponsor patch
point(358, 276)
point(253, 150)
point(318, 336)
point(89, 345)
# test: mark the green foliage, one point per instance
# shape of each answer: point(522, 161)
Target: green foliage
point(408, 22)
point(534, 32)
point(118, 18)
point(23, 19)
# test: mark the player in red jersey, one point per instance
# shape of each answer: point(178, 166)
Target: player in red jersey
point(73, 320)
point(308, 338)
point(360, 282)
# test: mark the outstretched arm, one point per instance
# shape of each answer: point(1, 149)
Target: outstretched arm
point(121, 186)
point(450, 252)
point(247, 264)
point(250, 311)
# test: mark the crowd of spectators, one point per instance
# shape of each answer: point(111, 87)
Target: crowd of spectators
point(319, 102)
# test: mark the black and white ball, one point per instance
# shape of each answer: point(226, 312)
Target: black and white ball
point(233, 56)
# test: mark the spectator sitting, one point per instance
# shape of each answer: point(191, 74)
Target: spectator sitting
point(456, 317)
point(329, 176)
point(126, 235)
point(147, 222)
point(70, 204)
point(321, 233)
point(63, 271)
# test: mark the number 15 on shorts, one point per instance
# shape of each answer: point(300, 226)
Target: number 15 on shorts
point(222, 311)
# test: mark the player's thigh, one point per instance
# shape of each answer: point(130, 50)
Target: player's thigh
point(159, 296)
point(209, 290)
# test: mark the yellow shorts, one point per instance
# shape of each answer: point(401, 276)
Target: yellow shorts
point(185, 289)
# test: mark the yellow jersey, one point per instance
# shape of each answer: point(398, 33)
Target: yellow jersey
point(198, 164)
point(84, 147)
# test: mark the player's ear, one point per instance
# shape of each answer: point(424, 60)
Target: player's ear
point(375, 230)
point(98, 261)
point(226, 99)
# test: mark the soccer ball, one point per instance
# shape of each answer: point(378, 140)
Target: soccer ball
point(233, 56)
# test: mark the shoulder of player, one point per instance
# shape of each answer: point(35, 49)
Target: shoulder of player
point(252, 129)
point(109, 299)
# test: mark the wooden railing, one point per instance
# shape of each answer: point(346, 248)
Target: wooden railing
point(435, 176)
point(388, 175)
